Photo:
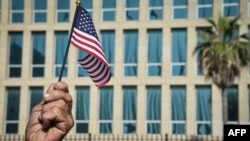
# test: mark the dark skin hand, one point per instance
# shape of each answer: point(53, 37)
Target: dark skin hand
point(51, 119)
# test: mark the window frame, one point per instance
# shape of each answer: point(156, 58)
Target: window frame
point(109, 121)
point(33, 66)
point(155, 8)
point(104, 10)
point(230, 5)
point(40, 11)
point(60, 11)
point(7, 90)
point(199, 6)
point(81, 121)
point(154, 64)
point(12, 11)
point(179, 7)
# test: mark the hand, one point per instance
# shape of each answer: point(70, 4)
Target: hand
point(51, 119)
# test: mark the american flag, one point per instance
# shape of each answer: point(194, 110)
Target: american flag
point(85, 38)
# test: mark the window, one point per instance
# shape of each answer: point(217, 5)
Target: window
point(108, 10)
point(61, 45)
point(155, 9)
point(132, 10)
point(106, 110)
point(205, 9)
point(232, 100)
point(108, 45)
point(179, 52)
point(82, 109)
point(40, 12)
point(62, 11)
point(15, 54)
point(12, 111)
point(203, 110)
point(153, 109)
point(179, 9)
point(178, 109)
point(36, 96)
point(230, 8)
point(88, 5)
point(130, 52)
point(199, 32)
point(154, 52)
point(129, 109)
point(17, 11)
point(38, 54)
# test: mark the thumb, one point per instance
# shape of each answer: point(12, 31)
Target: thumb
point(63, 86)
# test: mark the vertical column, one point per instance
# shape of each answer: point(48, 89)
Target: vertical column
point(117, 110)
point(217, 123)
point(191, 43)
point(23, 109)
point(141, 110)
point(192, 6)
point(50, 54)
point(165, 109)
point(94, 110)
point(190, 109)
point(26, 54)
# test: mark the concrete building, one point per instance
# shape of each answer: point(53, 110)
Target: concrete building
point(156, 87)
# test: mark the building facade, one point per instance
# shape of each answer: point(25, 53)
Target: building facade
point(156, 85)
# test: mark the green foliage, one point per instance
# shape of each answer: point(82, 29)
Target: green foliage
point(222, 52)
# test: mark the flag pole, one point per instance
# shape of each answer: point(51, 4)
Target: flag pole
point(70, 35)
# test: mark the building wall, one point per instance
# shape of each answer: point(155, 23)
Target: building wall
point(118, 80)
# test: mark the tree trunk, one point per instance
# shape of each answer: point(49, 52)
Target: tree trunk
point(224, 106)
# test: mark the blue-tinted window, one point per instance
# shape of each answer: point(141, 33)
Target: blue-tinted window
point(15, 53)
point(130, 52)
point(179, 9)
point(82, 109)
point(230, 8)
point(153, 109)
point(205, 8)
point(108, 45)
point(38, 54)
point(179, 52)
point(132, 10)
point(199, 35)
point(129, 109)
point(88, 5)
point(155, 9)
point(40, 10)
point(17, 11)
point(109, 7)
point(178, 109)
point(12, 111)
point(36, 96)
point(203, 110)
point(63, 10)
point(61, 45)
point(106, 110)
point(232, 100)
point(154, 52)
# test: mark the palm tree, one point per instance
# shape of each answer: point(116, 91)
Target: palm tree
point(221, 55)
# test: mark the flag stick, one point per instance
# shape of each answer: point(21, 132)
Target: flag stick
point(70, 35)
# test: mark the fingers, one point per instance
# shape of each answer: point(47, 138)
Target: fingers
point(63, 86)
point(56, 109)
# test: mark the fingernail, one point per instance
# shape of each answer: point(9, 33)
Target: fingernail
point(46, 95)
